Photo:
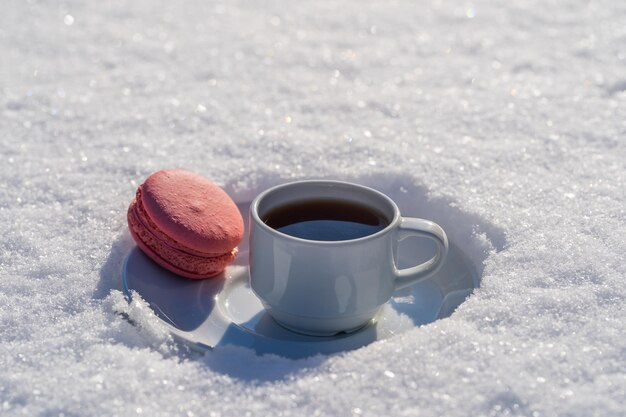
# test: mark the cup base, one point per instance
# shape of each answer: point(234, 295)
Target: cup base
point(322, 327)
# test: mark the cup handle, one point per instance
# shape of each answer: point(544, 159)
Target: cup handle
point(421, 228)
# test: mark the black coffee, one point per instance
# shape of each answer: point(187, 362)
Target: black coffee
point(326, 219)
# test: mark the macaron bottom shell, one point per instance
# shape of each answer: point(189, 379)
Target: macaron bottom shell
point(185, 264)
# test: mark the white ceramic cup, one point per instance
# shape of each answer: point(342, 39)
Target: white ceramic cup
point(326, 287)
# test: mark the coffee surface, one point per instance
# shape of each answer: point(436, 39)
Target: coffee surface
point(326, 220)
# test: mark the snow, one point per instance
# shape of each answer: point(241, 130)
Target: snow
point(503, 121)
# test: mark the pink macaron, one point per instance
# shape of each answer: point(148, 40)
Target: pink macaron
point(185, 223)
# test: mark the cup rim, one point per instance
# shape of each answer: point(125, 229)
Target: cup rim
point(257, 219)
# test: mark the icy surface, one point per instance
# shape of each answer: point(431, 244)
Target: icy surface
point(503, 121)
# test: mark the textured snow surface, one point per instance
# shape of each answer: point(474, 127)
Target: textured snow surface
point(503, 121)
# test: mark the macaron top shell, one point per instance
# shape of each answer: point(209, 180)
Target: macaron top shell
point(192, 210)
